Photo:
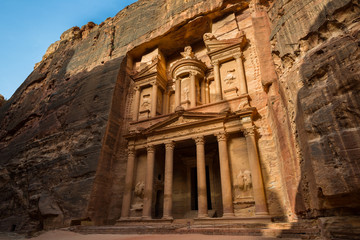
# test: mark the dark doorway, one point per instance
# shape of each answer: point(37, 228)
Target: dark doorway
point(194, 189)
point(159, 204)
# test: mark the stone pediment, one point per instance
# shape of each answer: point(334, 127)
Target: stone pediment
point(146, 71)
point(183, 119)
point(213, 44)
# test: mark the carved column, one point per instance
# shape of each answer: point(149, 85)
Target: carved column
point(154, 98)
point(201, 177)
point(240, 73)
point(256, 176)
point(218, 94)
point(166, 102)
point(136, 103)
point(202, 91)
point(226, 190)
point(168, 180)
point(192, 89)
point(125, 208)
point(177, 92)
point(149, 182)
point(207, 91)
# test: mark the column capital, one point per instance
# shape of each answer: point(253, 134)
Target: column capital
point(215, 62)
point(238, 55)
point(170, 145)
point(131, 151)
point(193, 73)
point(199, 140)
point(150, 148)
point(249, 131)
point(221, 136)
point(154, 83)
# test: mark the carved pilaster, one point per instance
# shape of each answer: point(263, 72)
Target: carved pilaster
point(254, 162)
point(240, 72)
point(136, 103)
point(154, 98)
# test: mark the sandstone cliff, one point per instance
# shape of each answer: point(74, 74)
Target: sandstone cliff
point(62, 156)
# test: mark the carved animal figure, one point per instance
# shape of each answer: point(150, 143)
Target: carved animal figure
point(139, 189)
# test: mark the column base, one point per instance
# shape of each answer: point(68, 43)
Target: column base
point(228, 215)
point(167, 218)
point(203, 216)
point(261, 213)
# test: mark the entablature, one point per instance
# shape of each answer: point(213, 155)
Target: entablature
point(186, 125)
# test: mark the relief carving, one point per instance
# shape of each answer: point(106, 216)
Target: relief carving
point(139, 189)
point(188, 53)
point(244, 186)
point(244, 178)
point(146, 102)
point(230, 76)
point(139, 196)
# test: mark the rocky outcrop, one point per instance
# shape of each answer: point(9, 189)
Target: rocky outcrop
point(317, 63)
point(2, 100)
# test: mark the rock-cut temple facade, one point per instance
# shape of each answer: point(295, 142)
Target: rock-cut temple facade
point(192, 149)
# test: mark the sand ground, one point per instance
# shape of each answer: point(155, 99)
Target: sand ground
point(67, 235)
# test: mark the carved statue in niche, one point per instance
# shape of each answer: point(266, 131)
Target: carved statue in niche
point(230, 76)
point(146, 102)
point(244, 184)
point(139, 196)
point(188, 53)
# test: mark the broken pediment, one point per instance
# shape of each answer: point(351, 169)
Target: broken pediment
point(213, 44)
point(146, 70)
point(151, 64)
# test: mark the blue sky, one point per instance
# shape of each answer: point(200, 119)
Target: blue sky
point(30, 26)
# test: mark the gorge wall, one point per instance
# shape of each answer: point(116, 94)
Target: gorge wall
point(62, 154)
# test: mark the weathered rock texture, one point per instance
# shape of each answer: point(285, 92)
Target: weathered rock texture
point(62, 154)
point(317, 63)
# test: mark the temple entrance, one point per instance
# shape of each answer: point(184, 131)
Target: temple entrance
point(185, 187)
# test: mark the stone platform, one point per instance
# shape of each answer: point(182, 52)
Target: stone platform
point(210, 227)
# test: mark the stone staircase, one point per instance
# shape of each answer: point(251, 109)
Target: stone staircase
point(187, 226)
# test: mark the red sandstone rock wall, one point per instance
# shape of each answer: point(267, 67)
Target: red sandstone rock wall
point(316, 49)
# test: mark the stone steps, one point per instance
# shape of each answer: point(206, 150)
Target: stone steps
point(249, 230)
